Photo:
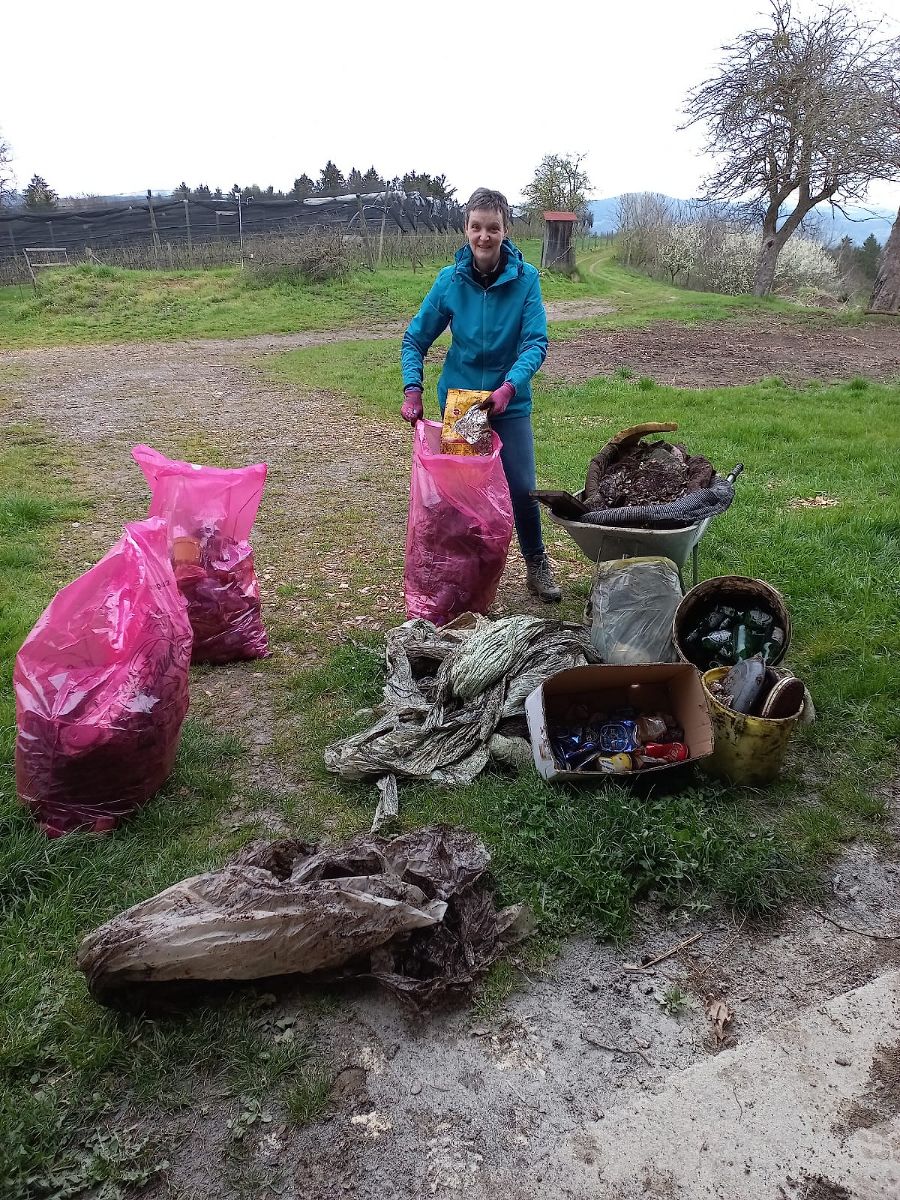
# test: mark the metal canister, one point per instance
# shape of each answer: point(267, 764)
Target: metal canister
point(611, 764)
point(739, 594)
point(618, 737)
point(672, 752)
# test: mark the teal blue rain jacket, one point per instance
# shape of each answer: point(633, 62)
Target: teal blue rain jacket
point(498, 334)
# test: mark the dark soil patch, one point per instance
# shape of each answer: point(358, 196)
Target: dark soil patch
point(817, 1187)
point(723, 353)
point(881, 1101)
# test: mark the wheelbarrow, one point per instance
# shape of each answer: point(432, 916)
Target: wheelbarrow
point(602, 542)
point(625, 538)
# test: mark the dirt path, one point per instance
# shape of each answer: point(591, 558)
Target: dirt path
point(725, 353)
point(202, 400)
point(457, 1105)
point(460, 1106)
point(335, 499)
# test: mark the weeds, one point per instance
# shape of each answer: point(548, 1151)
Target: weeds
point(250, 1112)
point(673, 1000)
point(105, 1166)
point(310, 260)
point(307, 1097)
point(498, 985)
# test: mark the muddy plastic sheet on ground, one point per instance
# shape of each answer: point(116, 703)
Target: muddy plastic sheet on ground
point(454, 695)
point(414, 913)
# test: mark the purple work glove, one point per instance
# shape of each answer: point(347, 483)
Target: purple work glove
point(412, 409)
point(498, 401)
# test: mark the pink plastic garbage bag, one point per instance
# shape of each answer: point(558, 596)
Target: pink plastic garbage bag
point(210, 511)
point(459, 529)
point(101, 687)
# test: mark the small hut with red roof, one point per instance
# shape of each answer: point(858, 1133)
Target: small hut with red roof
point(558, 253)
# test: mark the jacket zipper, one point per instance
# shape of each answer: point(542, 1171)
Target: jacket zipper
point(483, 324)
point(484, 292)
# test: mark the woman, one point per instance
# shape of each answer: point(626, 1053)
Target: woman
point(491, 299)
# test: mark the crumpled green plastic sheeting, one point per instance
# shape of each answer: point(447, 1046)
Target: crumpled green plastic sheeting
point(448, 690)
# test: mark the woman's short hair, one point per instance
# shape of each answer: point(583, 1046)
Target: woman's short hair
point(485, 198)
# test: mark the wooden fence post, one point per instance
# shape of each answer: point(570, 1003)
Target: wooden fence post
point(153, 230)
point(187, 222)
point(381, 234)
point(365, 233)
point(240, 198)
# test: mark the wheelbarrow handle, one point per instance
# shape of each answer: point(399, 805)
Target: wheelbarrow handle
point(734, 474)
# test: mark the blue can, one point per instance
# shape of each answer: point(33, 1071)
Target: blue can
point(618, 737)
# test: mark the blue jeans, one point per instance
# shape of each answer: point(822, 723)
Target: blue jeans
point(517, 457)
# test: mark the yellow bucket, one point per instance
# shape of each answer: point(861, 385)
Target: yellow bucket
point(748, 751)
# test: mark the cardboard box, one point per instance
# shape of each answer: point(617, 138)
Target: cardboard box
point(648, 687)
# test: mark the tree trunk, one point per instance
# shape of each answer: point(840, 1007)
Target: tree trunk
point(886, 292)
point(773, 240)
point(766, 263)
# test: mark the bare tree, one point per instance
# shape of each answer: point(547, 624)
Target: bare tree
point(800, 109)
point(6, 177)
point(559, 185)
point(886, 291)
point(643, 220)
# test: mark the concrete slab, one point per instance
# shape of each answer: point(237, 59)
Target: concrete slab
point(811, 1110)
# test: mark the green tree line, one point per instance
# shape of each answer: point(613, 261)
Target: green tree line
point(865, 257)
point(331, 182)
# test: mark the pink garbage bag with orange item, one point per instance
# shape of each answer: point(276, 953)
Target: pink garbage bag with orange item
point(101, 688)
point(210, 512)
point(459, 529)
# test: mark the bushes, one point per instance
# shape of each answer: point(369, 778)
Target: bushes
point(312, 259)
point(712, 249)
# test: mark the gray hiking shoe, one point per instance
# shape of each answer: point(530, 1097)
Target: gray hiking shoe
point(539, 578)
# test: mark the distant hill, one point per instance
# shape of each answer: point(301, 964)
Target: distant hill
point(834, 225)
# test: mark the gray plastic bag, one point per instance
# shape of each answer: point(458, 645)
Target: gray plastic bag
point(631, 609)
point(416, 913)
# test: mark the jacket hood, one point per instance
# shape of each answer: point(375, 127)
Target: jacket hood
point(515, 262)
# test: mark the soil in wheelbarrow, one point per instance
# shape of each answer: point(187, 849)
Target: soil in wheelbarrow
point(651, 473)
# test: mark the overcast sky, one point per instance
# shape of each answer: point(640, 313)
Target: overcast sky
point(103, 97)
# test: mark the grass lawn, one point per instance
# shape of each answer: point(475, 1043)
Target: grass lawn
point(69, 1070)
point(65, 1063)
point(837, 567)
point(105, 304)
